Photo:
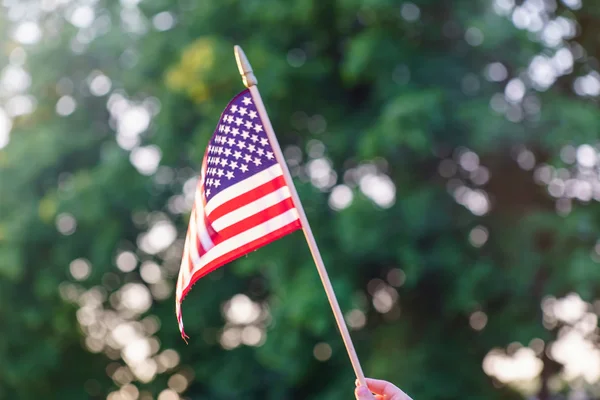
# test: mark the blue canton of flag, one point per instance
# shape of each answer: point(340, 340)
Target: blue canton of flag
point(238, 149)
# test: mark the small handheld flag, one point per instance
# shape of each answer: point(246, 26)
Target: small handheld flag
point(242, 201)
point(246, 199)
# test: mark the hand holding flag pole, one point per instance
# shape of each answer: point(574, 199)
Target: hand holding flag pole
point(250, 82)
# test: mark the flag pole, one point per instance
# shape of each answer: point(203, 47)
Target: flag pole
point(251, 83)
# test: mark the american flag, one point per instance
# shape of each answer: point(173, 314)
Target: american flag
point(242, 201)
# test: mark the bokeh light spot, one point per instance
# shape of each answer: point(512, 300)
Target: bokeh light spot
point(322, 351)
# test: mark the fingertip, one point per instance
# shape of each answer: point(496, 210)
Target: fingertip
point(363, 393)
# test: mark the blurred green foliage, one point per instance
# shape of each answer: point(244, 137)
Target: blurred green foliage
point(375, 102)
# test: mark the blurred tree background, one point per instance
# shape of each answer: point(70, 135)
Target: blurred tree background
point(446, 153)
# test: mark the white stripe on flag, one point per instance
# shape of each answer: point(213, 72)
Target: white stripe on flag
point(200, 226)
point(242, 187)
point(252, 208)
point(183, 267)
point(244, 238)
point(195, 252)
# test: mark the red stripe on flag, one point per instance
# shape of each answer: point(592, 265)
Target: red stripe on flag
point(247, 197)
point(250, 222)
point(190, 261)
point(253, 221)
point(240, 251)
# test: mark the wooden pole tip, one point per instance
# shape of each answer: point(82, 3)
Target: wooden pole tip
point(244, 67)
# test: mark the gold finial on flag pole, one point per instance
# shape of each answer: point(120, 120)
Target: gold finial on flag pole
point(251, 83)
point(244, 67)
